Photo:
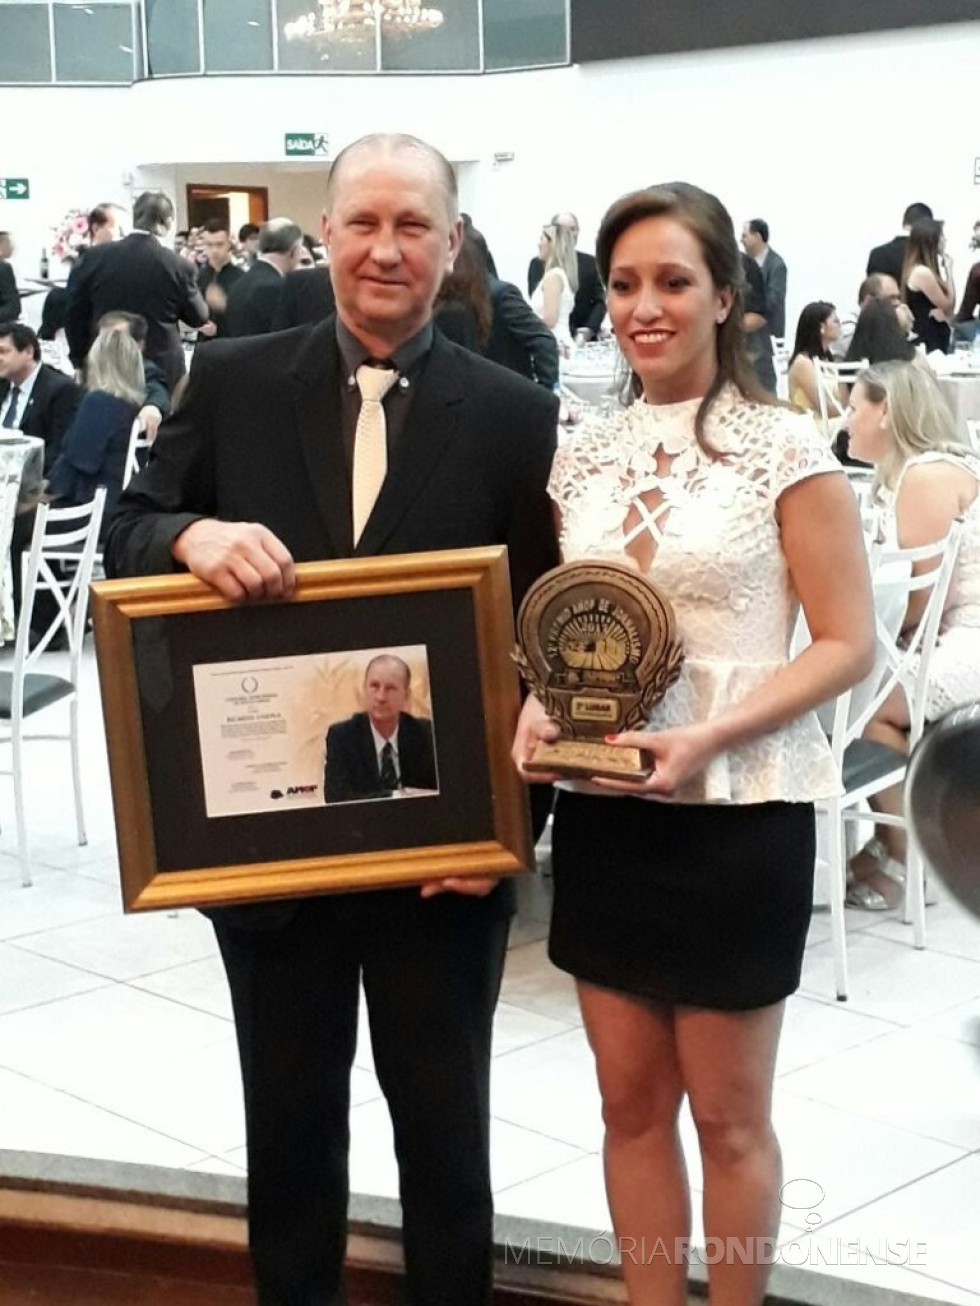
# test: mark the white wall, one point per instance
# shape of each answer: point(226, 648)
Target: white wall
point(828, 140)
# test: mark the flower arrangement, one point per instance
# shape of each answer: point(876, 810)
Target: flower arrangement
point(70, 235)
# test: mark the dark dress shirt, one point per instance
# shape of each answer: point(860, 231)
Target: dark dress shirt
point(226, 277)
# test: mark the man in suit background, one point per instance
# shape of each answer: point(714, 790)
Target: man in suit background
point(34, 398)
point(756, 325)
point(755, 242)
point(384, 748)
point(218, 276)
point(589, 307)
point(139, 275)
point(9, 294)
point(263, 465)
point(307, 296)
point(253, 298)
point(890, 257)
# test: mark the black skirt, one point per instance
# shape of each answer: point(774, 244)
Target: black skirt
point(704, 906)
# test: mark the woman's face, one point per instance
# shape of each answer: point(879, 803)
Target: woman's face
point(544, 246)
point(830, 330)
point(867, 426)
point(665, 309)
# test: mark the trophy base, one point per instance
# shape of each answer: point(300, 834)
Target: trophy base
point(584, 758)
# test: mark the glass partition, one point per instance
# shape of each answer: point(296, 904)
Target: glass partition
point(237, 36)
point(25, 42)
point(173, 37)
point(94, 42)
point(304, 50)
point(524, 33)
point(451, 46)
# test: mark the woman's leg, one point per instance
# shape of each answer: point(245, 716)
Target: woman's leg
point(727, 1061)
point(646, 1180)
point(890, 727)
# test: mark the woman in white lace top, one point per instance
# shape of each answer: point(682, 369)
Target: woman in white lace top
point(682, 909)
point(925, 478)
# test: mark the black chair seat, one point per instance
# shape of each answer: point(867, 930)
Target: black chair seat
point(866, 761)
point(39, 691)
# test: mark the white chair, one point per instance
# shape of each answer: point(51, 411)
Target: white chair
point(139, 442)
point(59, 563)
point(973, 431)
point(780, 362)
point(830, 377)
point(867, 767)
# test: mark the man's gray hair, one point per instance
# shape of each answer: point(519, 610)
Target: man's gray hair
point(279, 236)
point(389, 143)
point(153, 212)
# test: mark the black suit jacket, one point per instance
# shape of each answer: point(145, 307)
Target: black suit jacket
point(9, 294)
point(307, 296)
point(137, 275)
point(519, 340)
point(50, 410)
point(590, 303)
point(352, 771)
point(889, 258)
point(258, 438)
point(252, 301)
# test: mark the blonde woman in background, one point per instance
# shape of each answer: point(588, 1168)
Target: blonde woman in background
point(924, 479)
point(554, 297)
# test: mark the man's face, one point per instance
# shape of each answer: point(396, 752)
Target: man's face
point(751, 242)
point(385, 693)
point(250, 245)
point(888, 290)
point(217, 247)
point(16, 364)
point(391, 242)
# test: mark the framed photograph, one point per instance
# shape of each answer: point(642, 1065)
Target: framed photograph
point(355, 736)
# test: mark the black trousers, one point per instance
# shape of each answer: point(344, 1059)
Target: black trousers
point(431, 971)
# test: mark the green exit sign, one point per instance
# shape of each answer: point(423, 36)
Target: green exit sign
point(15, 188)
point(305, 144)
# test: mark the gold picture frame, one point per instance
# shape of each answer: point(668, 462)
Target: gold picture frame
point(164, 642)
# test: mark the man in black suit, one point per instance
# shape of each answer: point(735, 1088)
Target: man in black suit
point(253, 298)
point(589, 307)
point(376, 752)
point(264, 464)
point(218, 276)
point(890, 257)
point(756, 325)
point(34, 398)
point(307, 296)
point(9, 294)
point(139, 275)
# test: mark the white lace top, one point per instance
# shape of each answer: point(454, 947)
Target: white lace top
point(719, 560)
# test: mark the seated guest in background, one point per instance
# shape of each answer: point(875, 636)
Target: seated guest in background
point(890, 257)
point(879, 336)
point(463, 310)
point(927, 285)
point(248, 243)
point(34, 398)
point(879, 285)
point(157, 401)
point(94, 449)
point(925, 478)
point(967, 324)
point(519, 340)
point(217, 276)
point(554, 295)
point(384, 748)
point(816, 331)
point(253, 299)
point(589, 308)
point(9, 294)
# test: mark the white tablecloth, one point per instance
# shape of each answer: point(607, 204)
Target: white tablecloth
point(21, 466)
point(963, 396)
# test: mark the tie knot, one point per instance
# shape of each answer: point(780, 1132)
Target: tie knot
point(375, 382)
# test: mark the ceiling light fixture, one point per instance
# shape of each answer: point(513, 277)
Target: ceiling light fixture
point(356, 22)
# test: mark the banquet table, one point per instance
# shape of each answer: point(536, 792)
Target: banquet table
point(590, 374)
point(22, 469)
point(962, 393)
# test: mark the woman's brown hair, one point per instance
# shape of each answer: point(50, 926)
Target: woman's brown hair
point(468, 284)
point(707, 219)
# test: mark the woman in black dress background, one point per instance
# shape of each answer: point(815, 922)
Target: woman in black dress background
point(927, 284)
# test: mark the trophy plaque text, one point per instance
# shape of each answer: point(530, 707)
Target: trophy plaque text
point(597, 646)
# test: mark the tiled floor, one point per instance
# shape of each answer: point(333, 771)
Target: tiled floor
point(116, 1042)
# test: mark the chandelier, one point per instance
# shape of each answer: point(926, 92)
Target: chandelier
point(356, 21)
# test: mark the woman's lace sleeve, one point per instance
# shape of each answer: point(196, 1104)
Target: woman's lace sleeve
point(799, 450)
